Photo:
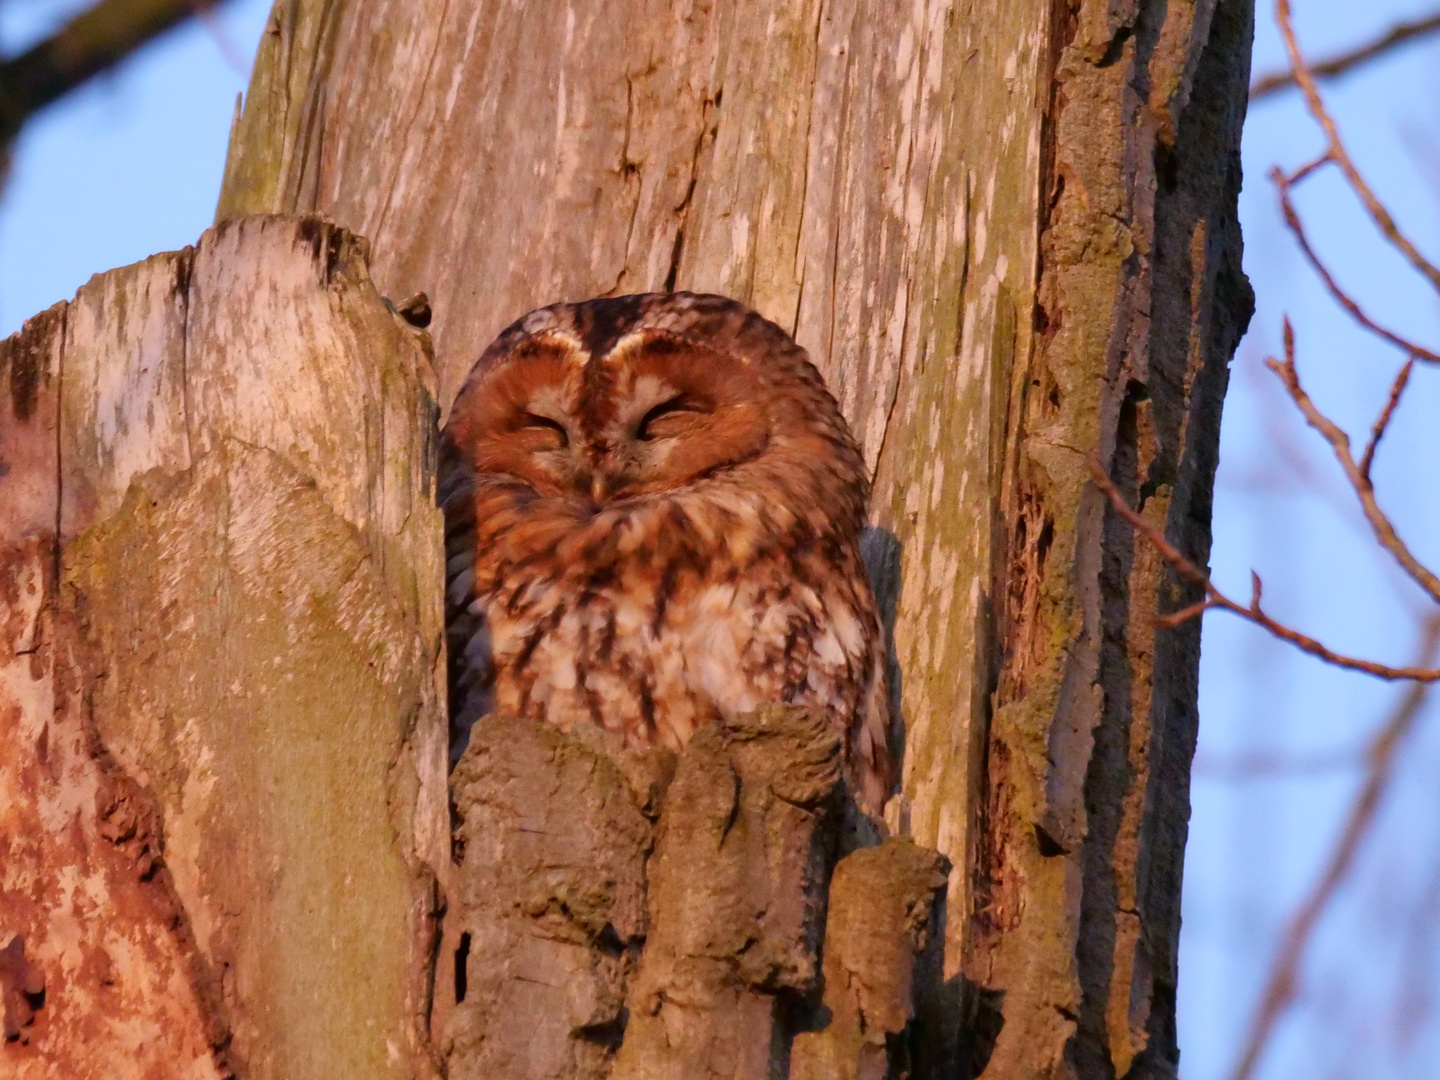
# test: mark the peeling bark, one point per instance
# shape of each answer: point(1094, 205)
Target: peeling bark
point(1141, 304)
point(223, 723)
point(883, 943)
point(736, 900)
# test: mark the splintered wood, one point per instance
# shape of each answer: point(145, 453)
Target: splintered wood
point(222, 771)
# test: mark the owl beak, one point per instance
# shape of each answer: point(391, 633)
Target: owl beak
point(592, 484)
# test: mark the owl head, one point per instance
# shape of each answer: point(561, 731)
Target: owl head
point(652, 510)
point(638, 397)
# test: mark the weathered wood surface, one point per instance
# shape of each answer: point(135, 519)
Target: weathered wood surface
point(79, 890)
point(547, 911)
point(1141, 303)
point(736, 900)
point(222, 785)
point(1006, 233)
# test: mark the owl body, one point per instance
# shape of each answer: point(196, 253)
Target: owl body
point(653, 510)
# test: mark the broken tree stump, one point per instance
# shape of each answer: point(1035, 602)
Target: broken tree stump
point(222, 740)
point(547, 907)
point(736, 899)
point(223, 793)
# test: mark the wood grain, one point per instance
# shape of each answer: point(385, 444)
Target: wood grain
point(242, 694)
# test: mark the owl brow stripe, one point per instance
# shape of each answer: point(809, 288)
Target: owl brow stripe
point(607, 320)
point(596, 400)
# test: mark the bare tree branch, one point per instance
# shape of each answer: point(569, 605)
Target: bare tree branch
point(91, 43)
point(1281, 985)
point(1397, 388)
point(1276, 766)
point(1339, 442)
point(1337, 153)
point(1397, 35)
point(1284, 184)
point(1252, 612)
point(1284, 973)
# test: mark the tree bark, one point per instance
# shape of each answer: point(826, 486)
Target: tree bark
point(547, 908)
point(881, 959)
point(1006, 233)
point(736, 901)
point(222, 791)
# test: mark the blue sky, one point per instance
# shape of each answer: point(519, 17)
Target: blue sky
point(1366, 1008)
point(128, 166)
point(131, 165)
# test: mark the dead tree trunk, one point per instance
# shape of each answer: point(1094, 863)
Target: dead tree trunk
point(222, 785)
point(1006, 234)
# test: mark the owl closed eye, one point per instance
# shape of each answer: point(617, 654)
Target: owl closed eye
point(656, 413)
point(653, 509)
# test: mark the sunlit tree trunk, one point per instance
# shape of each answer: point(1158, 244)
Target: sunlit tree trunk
point(222, 785)
point(1006, 233)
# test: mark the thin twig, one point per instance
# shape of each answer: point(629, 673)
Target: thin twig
point(1378, 214)
point(1292, 219)
point(1184, 615)
point(1254, 613)
point(1304, 170)
point(1399, 34)
point(1339, 442)
point(1377, 432)
point(1285, 971)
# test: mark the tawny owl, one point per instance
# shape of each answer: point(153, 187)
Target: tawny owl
point(653, 510)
